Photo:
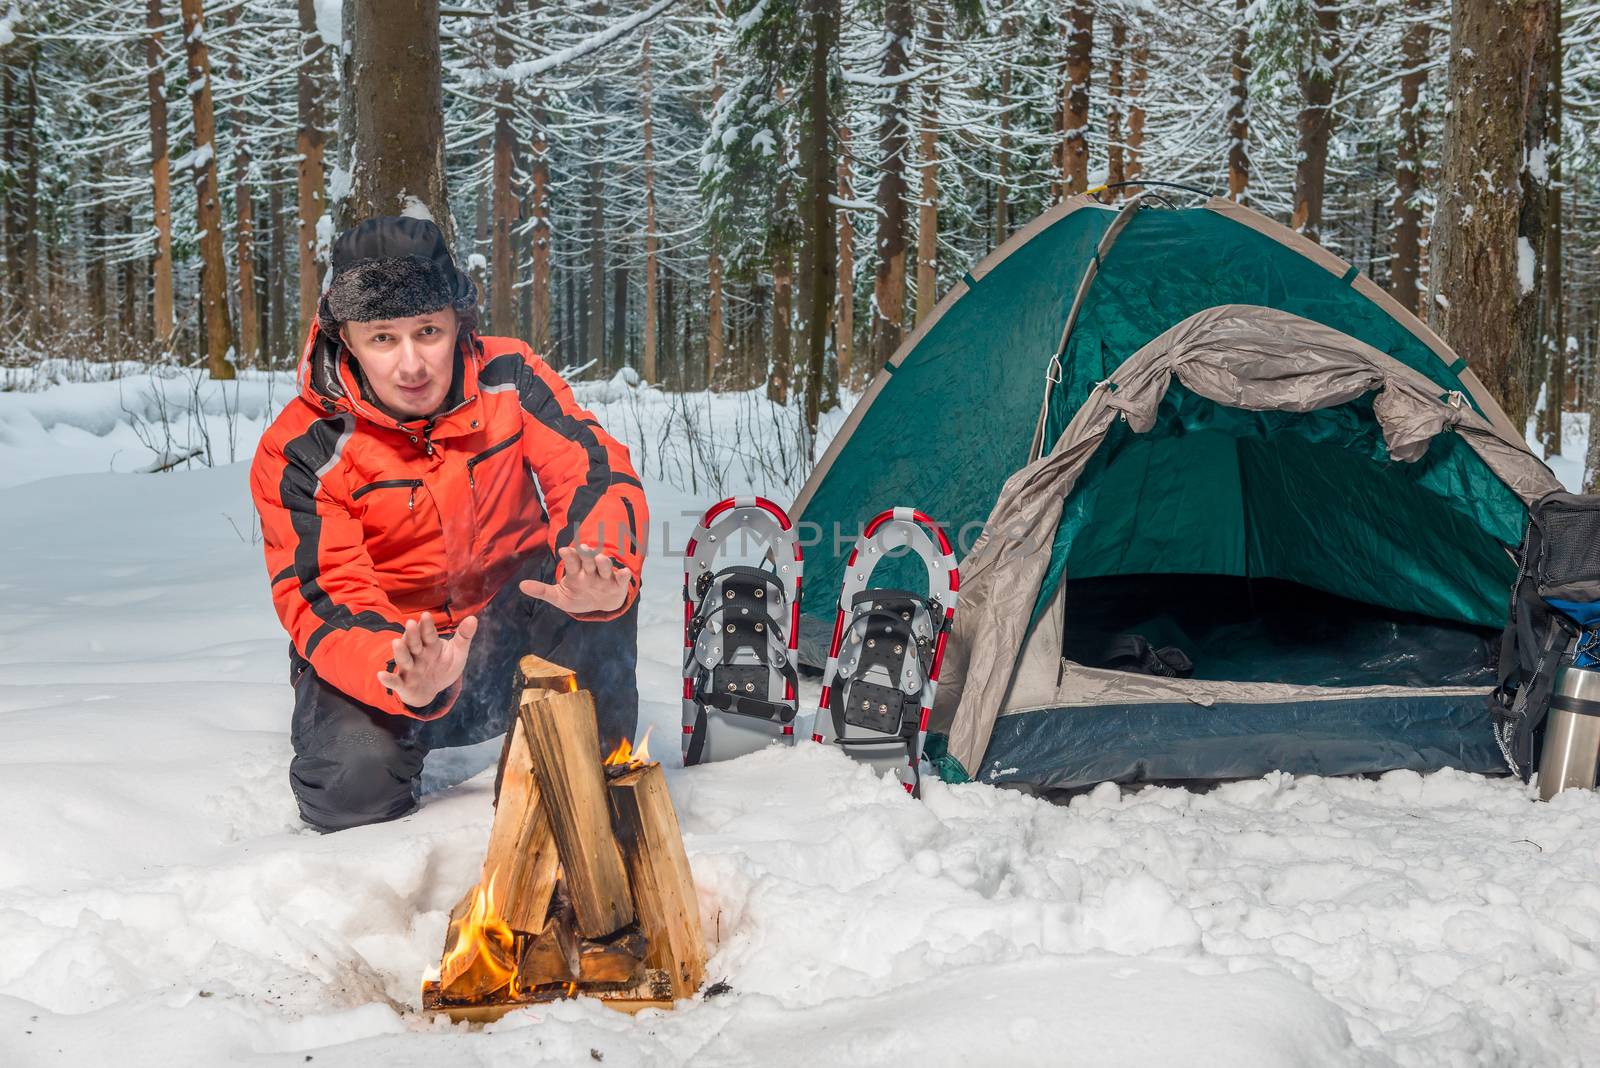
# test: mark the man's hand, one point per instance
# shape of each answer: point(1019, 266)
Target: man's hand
point(426, 664)
point(590, 582)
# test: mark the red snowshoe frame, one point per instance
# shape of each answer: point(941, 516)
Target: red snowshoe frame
point(741, 625)
point(868, 685)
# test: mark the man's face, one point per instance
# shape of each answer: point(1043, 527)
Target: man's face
point(407, 362)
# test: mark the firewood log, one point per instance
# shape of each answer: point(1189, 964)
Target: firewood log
point(566, 767)
point(658, 870)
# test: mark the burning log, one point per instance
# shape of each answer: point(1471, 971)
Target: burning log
point(561, 737)
point(555, 954)
point(522, 852)
point(663, 890)
point(585, 887)
point(480, 950)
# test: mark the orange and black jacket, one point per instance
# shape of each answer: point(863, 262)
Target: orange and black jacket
point(369, 522)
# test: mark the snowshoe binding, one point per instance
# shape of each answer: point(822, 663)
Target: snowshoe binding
point(741, 632)
point(882, 671)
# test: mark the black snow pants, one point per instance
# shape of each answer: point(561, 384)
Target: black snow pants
point(354, 764)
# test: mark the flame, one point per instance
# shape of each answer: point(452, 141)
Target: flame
point(626, 755)
point(482, 926)
point(572, 988)
point(622, 754)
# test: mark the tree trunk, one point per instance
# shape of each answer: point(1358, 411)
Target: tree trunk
point(244, 224)
point(889, 285)
point(596, 314)
point(715, 354)
point(671, 371)
point(94, 274)
point(1239, 105)
point(1137, 79)
point(928, 152)
point(782, 362)
point(393, 99)
point(1406, 257)
point(1555, 297)
point(539, 209)
point(9, 93)
point(277, 266)
point(1542, 23)
point(649, 370)
point(128, 286)
point(1477, 302)
point(478, 268)
point(1075, 103)
point(1002, 206)
point(1114, 162)
point(213, 266)
point(502, 269)
point(160, 174)
point(30, 193)
point(845, 324)
point(619, 317)
point(245, 238)
point(311, 86)
point(1314, 122)
point(820, 256)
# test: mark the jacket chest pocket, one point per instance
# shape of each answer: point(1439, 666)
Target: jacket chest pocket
point(491, 473)
point(482, 466)
point(389, 506)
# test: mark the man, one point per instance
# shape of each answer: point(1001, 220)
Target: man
point(434, 505)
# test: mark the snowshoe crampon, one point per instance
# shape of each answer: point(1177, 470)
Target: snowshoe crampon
point(741, 629)
point(882, 671)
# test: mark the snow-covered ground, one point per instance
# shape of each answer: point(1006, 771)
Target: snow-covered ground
point(160, 904)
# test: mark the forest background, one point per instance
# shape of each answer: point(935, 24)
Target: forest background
point(769, 195)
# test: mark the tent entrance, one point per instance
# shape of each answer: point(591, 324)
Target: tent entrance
point(1239, 629)
point(1273, 546)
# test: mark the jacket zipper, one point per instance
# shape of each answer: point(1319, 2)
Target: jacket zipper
point(472, 478)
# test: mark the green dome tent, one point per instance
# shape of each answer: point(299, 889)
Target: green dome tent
point(1239, 510)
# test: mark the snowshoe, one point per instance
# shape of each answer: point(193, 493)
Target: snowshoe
point(741, 632)
point(882, 670)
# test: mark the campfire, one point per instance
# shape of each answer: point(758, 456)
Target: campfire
point(585, 888)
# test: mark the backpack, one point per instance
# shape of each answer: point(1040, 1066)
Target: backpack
point(1554, 620)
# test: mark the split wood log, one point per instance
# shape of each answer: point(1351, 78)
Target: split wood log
point(484, 964)
point(433, 1000)
point(658, 869)
point(566, 766)
point(540, 674)
point(616, 962)
point(554, 955)
point(521, 861)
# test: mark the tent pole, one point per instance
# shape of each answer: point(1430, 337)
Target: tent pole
point(1052, 373)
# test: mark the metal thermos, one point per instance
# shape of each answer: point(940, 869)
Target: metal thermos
point(1572, 733)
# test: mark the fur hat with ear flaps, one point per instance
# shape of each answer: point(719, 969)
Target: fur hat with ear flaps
point(393, 267)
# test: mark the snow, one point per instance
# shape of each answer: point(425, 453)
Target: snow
point(160, 904)
point(533, 68)
point(1536, 161)
point(1567, 462)
point(198, 160)
point(1525, 265)
point(330, 21)
point(412, 207)
point(340, 182)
